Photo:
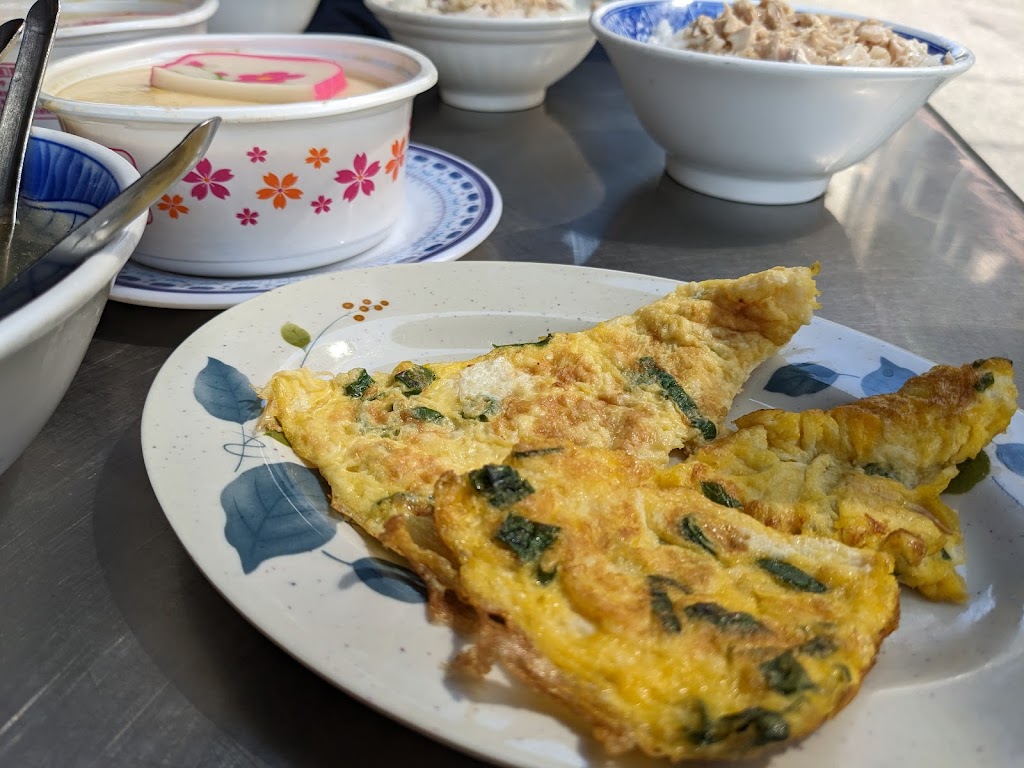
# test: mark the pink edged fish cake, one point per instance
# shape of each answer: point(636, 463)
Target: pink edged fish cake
point(250, 77)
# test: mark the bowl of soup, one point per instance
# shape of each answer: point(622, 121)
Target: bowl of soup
point(65, 180)
point(88, 25)
point(307, 168)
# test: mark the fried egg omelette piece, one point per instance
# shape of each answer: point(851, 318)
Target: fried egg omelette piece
point(869, 473)
point(660, 379)
point(669, 622)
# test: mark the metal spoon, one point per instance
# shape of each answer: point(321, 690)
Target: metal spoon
point(100, 228)
point(16, 118)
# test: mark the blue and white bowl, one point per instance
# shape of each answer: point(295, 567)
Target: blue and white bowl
point(760, 131)
point(66, 179)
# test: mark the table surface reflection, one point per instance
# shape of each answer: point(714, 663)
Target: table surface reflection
point(115, 650)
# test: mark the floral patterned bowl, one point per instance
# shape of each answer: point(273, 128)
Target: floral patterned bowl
point(284, 187)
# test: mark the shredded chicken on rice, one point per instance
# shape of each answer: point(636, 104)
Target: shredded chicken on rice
point(772, 31)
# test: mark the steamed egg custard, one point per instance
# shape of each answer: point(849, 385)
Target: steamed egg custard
point(659, 380)
point(222, 79)
point(668, 621)
point(869, 473)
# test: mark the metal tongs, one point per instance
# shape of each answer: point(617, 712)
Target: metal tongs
point(38, 29)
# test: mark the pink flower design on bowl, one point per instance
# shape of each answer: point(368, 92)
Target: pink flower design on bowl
point(207, 180)
point(247, 217)
point(321, 205)
point(269, 77)
point(358, 179)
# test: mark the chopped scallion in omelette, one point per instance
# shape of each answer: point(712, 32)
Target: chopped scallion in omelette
point(869, 473)
point(668, 621)
point(659, 380)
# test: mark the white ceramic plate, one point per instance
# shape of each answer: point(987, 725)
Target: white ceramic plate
point(452, 207)
point(947, 687)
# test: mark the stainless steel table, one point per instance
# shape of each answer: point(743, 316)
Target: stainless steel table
point(116, 651)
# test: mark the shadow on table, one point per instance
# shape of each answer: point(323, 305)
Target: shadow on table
point(162, 327)
point(568, 185)
point(662, 212)
point(8, 484)
point(661, 228)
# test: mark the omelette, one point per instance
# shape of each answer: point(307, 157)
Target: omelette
point(578, 508)
point(669, 622)
point(869, 473)
point(659, 380)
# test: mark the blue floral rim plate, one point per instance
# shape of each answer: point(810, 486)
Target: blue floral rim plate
point(256, 520)
point(452, 207)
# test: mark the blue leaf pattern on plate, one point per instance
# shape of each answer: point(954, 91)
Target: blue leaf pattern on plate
point(390, 579)
point(888, 377)
point(226, 394)
point(274, 510)
point(1012, 456)
point(801, 379)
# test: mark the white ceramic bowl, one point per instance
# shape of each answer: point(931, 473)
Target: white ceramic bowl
point(263, 15)
point(43, 342)
point(284, 187)
point(759, 131)
point(492, 64)
point(88, 25)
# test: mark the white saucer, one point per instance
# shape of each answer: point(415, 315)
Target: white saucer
point(452, 207)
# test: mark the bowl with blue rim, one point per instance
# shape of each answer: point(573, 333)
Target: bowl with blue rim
point(65, 180)
point(754, 130)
